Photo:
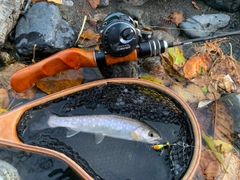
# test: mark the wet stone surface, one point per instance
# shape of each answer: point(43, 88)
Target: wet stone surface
point(203, 25)
point(43, 25)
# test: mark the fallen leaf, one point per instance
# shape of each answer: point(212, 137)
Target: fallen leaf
point(175, 17)
point(197, 65)
point(176, 55)
point(210, 144)
point(190, 93)
point(172, 69)
point(159, 73)
point(4, 99)
point(3, 110)
point(94, 3)
point(232, 164)
point(210, 168)
point(224, 122)
point(28, 94)
point(90, 34)
point(7, 73)
point(195, 5)
point(223, 146)
point(204, 116)
point(61, 81)
point(148, 77)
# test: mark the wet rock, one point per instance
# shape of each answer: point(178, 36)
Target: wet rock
point(42, 25)
point(135, 2)
point(204, 25)
point(229, 6)
point(136, 13)
point(125, 69)
point(10, 11)
point(103, 3)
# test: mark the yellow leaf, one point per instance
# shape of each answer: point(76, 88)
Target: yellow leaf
point(176, 55)
point(3, 110)
point(225, 147)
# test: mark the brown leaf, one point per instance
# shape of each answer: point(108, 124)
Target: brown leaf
point(223, 130)
point(28, 94)
point(159, 72)
point(94, 3)
point(60, 81)
point(175, 17)
point(204, 116)
point(209, 165)
point(4, 99)
point(197, 65)
point(191, 93)
point(90, 34)
point(7, 73)
point(232, 164)
point(195, 5)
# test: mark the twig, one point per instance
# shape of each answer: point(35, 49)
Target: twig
point(83, 24)
point(34, 49)
point(230, 49)
point(215, 115)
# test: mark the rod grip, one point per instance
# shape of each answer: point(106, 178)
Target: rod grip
point(72, 58)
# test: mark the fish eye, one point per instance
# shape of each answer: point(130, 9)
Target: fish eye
point(150, 134)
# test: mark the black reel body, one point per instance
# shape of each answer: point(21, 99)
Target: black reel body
point(118, 34)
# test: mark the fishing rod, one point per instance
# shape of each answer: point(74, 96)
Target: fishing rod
point(121, 41)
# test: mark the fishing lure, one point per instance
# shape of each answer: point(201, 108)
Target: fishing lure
point(158, 147)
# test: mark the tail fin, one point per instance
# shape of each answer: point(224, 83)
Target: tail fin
point(41, 122)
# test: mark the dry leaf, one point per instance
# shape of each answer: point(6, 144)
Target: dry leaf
point(191, 93)
point(61, 81)
point(4, 99)
point(209, 165)
point(204, 116)
point(175, 17)
point(224, 122)
point(28, 94)
point(7, 73)
point(160, 73)
point(223, 146)
point(195, 5)
point(90, 34)
point(197, 65)
point(232, 164)
point(94, 3)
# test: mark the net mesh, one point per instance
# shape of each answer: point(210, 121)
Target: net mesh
point(114, 158)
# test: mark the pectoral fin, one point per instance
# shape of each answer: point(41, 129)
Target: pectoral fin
point(135, 136)
point(98, 138)
point(71, 133)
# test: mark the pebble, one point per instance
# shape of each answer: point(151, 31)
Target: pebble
point(229, 6)
point(10, 11)
point(43, 25)
point(5, 58)
point(203, 25)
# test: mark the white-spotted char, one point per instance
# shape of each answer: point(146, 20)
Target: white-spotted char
point(104, 125)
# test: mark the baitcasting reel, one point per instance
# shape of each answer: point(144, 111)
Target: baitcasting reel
point(119, 34)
